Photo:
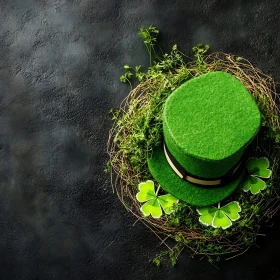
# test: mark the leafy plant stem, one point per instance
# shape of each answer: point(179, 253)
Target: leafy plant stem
point(157, 190)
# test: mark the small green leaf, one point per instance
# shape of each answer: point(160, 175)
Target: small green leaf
point(154, 203)
point(246, 185)
point(147, 191)
point(232, 210)
point(221, 220)
point(254, 184)
point(207, 215)
point(166, 202)
point(259, 167)
point(256, 168)
point(222, 217)
point(152, 207)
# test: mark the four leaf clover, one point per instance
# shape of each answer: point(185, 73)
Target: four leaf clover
point(154, 203)
point(256, 168)
point(219, 217)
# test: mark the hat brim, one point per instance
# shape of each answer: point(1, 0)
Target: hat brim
point(183, 190)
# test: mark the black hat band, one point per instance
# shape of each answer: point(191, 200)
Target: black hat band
point(200, 181)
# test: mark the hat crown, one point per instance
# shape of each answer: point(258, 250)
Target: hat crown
point(208, 122)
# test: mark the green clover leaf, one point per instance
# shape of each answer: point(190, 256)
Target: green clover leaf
point(219, 217)
point(154, 203)
point(256, 168)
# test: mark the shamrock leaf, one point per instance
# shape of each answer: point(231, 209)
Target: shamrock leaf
point(259, 167)
point(154, 203)
point(256, 168)
point(254, 184)
point(219, 217)
point(207, 215)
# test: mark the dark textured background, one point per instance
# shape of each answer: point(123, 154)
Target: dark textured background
point(60, 63)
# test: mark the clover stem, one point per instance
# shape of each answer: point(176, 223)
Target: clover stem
point(157, 190)
point(219, 205)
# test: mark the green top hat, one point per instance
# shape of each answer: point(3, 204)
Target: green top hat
point(208, 123)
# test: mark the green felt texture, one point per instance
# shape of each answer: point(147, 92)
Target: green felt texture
point(173, 184)
point(208, 122)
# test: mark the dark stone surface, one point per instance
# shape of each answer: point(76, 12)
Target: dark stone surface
point(60, 63)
